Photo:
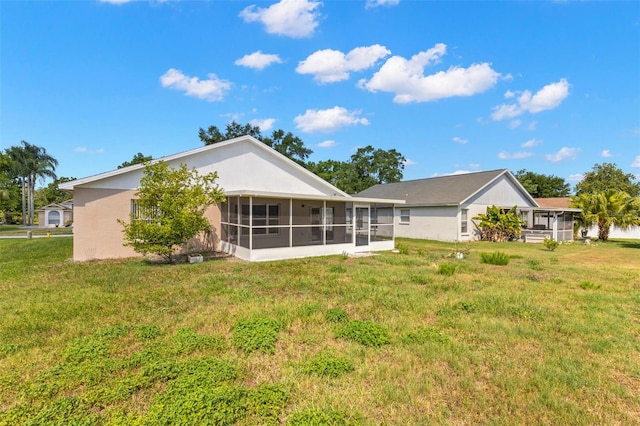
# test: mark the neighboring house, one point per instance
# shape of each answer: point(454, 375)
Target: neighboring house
point(630, 233)
point(275, 208)
point(442, 208)
point(56, 214)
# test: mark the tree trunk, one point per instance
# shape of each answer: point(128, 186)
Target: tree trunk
point(31, 199)
point(603, 230)
point(24, 201)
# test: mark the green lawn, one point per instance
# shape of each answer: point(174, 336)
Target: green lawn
point(397, 338)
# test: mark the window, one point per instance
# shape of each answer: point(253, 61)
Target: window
point(147, 214)
point(265, 216)
point(405, 216)
point(464, 213)
point(54, 218)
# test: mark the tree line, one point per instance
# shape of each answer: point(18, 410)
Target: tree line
point(606, 195)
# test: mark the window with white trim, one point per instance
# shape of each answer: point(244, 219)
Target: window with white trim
point(405, 215)
point(464, 221)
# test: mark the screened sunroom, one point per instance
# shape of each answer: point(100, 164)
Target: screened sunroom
point(269, 227)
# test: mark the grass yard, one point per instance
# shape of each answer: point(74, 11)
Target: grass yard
point(408, 338)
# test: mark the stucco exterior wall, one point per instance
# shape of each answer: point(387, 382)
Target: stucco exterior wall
point(429, 223)
point(98, 235)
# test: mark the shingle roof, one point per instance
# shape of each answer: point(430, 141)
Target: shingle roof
point(442, 190)
point(559, 202)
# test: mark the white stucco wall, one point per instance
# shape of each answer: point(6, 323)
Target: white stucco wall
point(631, 233)
point(429, 223)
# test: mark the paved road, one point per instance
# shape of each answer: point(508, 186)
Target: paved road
point(7, 237)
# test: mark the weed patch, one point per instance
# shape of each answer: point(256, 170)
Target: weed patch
point(364, 332)
point(424, 335)
point(447, 269)
point(589, 285)
point(336, 315)
point(329, 365)
point(187, 341)
point(495, 258)
point(317, 417)
point(256, 334)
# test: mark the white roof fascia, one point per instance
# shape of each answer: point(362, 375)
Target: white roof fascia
point(334, 197)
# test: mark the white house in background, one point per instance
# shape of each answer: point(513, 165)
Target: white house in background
point(275, 208)
point(442, 208)
point(56, 214)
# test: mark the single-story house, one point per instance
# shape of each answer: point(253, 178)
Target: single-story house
point(275, 208)
point(56, 214)
point(441, 208)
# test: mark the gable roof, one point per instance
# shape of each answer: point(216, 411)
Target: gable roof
point(451, 190)
point(205, 156)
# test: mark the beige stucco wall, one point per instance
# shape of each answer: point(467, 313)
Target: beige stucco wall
point(97, 233)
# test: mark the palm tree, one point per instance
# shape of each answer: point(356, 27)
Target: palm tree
point(30, 162)
point(606, 208)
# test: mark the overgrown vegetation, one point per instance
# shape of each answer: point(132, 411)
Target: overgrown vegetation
point(550, 244)
point(498, 225)
point(495, 258)
point(550, 338)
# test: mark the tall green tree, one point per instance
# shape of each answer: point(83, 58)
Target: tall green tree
point(9, 191)
point(543, 186)
point(139, 158)
point(170, 209)
point(285, 143)
point(369, 166)
point(607, 176)
point(607, 208)
point(30, 163)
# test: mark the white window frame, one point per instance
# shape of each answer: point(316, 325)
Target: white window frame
point(405, 216)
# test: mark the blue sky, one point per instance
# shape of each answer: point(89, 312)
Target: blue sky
point(551, 87)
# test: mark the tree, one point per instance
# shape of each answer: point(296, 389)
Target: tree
point(371, 166)
point(499, 225)
point(30, 162)
point(169, 210)
point(543, 186)
point(607, 208)
point(51, 193)
point(285, 143)
point(139, 158)
point(607, 176)
point(9, 192)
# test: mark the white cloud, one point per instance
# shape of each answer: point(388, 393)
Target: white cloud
point(531, 143)
point(636, 161)
point(549, 97)
point(376, 3)
point(330, 66)
point(563, 154)
point(117, 2)
point(515, 156)
point(84, 150)
point(328, 120)
point(532, 125)
point(213, 89)
point(515, 124)
point(577, 177)
point(258, 60)
point(457, 172)
point(327, 144)
point(605, 153)
point(409, 162)
point(474, 165)
point(292, 18)
point(406, 78)
point(263, 123)
point(459, 140)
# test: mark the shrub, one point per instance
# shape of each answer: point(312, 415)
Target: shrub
point(550, 243)
point(447, 269)
point(253, 334)
point(495, 258)
point(326, 364)
point(364, 332)
point(336, 315)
